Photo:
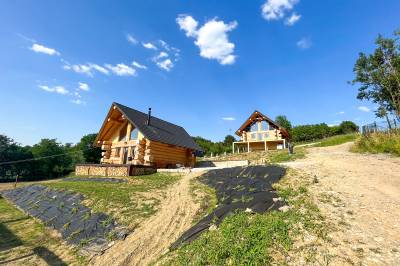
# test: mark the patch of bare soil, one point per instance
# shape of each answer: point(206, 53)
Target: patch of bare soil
point(154, 236)
point(360, 195)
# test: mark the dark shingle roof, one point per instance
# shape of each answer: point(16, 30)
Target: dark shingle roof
point(159, 130)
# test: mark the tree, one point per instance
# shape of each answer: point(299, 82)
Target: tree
point(284, 122)
point(379, 74)
point(11, 151)
point(347, 127)
point(53, 159)
point(90, 153)
point(229, 139)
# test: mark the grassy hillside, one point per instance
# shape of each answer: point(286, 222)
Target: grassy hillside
point(379, 143)
point(127, 202)
point(336, 140)
point(257, 239)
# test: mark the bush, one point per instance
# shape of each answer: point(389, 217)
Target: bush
point(379, 143)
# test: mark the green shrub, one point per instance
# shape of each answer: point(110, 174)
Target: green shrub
point(379, 143)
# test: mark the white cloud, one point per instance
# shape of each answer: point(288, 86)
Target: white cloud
point(99, 68)
point(56, 89)
point(341, 113)
point(211, 38)
point(161, 55)
point(83, 86)
point(37, 48)
point(121, 70)
point(165, 64)
point(276, 9)
point(149, 45)
point(228, 118)
point(292, 19)
point(188, 24)
point(304, 43)
point(86, 69)
point(364, 109)
point(131, 39)
point(138, 65)
point(78, 102)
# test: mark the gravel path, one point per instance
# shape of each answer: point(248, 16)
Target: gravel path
point(364, 191)
point(155, 235)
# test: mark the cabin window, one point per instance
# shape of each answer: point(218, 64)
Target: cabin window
point(134, 133)
point(264, 125)
point(117, 152)
point(253, 136)
point(254, 127)
point(122, 133)
point(266, 135)
point(260, 136)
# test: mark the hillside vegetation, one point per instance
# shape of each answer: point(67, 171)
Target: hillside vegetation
point(379, 143)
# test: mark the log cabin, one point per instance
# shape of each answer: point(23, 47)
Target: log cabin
point(260, 133)
point(130, 137)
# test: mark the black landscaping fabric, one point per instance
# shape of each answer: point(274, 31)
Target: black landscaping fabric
point(238, 188)
point(64, 212)
point(96, 179)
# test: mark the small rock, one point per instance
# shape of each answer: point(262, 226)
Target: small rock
point(277, 199)
point(249, 210)
point(213, 227)
point(284, 208)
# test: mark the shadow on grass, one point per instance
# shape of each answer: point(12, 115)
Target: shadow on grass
point(8, 241)
point(238, 188)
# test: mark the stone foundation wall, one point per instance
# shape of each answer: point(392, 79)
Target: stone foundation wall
point(112, 170)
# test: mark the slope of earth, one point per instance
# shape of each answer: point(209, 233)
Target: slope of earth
point(154, 236)
point(361, 194)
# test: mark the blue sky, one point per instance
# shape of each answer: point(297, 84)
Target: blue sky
point(205, 65)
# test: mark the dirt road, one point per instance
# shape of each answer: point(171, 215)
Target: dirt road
point(360, 193)
point(154, 236)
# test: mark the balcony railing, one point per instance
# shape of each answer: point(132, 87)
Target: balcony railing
point(267, 135)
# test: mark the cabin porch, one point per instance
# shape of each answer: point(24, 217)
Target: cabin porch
point(263, 145)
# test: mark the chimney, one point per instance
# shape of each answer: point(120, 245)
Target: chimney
point(149, 117)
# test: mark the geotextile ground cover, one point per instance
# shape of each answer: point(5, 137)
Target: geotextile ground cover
point(64, 212)
point(238, 188)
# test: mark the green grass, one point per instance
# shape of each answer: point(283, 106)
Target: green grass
point(256, 239)
point(284, 156)
point(126, 202)
point(21, 235)
point(205, 196)
point(336, 140)
point(378, 143)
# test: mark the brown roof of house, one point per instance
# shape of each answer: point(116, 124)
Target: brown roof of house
point(256, 114)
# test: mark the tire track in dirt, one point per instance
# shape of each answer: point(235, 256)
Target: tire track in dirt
point(154, 236)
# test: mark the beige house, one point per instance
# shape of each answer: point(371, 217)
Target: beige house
point(130, 137)
point(260, 133)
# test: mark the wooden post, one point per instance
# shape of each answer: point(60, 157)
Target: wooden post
point(284, 144)
point(265, 145)
point(128, 132)
point(233, 147)
point(16, 181)
point(248, 146)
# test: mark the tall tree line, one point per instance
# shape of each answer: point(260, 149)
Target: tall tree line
point(46, 159)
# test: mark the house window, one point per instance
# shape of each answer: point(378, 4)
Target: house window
point(253, 136)
point(260, 136)
point(134, 133)
point(254, 127)
point(266, 135)
point(122, 133)
point(117, 152)
point(264, 125)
